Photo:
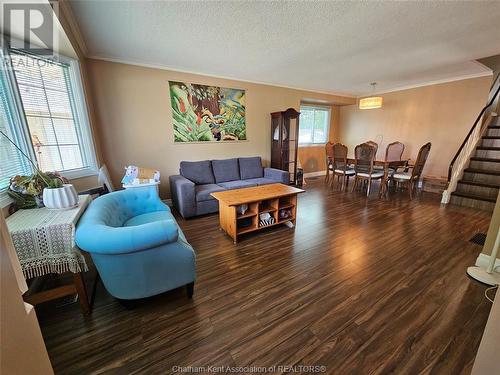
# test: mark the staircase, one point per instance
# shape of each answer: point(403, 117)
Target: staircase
point(480, 182)
point(474, 173)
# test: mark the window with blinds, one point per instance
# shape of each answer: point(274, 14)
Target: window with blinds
point(48, 100)
point(12, 161)
point(314, 125)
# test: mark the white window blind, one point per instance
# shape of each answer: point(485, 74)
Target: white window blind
point(12, 161)
point(314, 125)
point(51, 112)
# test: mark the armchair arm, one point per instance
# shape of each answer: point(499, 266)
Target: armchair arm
point(183, 195)
point(103, 239)
point(277, 175)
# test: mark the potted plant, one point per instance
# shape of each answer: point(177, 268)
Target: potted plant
point(64, 196)
point(41, 188)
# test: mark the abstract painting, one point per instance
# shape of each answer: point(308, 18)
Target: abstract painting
point(207, 113)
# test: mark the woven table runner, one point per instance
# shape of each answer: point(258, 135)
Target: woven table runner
point(44, 239)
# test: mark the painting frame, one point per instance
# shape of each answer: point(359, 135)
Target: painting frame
point(204, 113)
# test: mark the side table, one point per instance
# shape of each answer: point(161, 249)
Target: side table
point(44, 241)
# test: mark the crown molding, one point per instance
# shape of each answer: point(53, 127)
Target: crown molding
point(165, 67)
point(70, 19)
point(429, 83)
point(333, 93)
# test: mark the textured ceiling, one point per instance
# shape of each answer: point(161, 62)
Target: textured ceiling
point(327, 46)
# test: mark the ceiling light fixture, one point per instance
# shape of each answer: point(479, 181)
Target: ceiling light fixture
point(371, 102)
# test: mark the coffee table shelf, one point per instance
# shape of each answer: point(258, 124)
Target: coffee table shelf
point(246, 214)
point(267, 209)
point(246, 229)
point(269, 199)
point(285, 206)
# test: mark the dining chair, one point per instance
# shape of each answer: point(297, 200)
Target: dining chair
point(374, 145)
point(329, 159)
point(410, 179)
point(393, 152)
point(341, 168)
point(364, 155)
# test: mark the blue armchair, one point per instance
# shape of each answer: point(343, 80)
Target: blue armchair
point(136, 244)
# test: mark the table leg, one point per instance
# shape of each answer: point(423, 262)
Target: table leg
point(383, 188)
point(81, 290)
point(384, 182)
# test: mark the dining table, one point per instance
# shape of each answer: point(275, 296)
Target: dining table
point(393, 164)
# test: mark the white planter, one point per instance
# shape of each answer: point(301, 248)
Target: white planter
point(63, 197)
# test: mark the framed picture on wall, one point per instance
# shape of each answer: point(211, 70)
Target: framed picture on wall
point(207, 113)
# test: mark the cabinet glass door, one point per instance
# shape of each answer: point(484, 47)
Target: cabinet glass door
point(292, 147)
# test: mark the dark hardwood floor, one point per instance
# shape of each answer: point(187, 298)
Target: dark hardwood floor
point(361, 286)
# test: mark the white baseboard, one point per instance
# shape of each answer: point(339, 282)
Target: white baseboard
point(314, 174)
point(483, 261)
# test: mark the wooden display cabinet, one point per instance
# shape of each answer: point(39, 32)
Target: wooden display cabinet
point(285, 141)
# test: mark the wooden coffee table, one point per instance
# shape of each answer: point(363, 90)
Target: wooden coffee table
point(272, 199)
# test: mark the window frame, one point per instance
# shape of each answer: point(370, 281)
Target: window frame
point(81, 112)
point(22, 133)
point(81, 120)
point(328, 124)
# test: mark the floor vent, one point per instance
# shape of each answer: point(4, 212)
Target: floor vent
point(478, 239)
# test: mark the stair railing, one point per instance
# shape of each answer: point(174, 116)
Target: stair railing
point(464, 153)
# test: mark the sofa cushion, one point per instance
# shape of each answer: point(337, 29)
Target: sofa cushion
point(238, 184)
point(261, 181)
point(200, 172)
point(149, 217)
point(226, 170)
point(203, 191)
point(251, 168)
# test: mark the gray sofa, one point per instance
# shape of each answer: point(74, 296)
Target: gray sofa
point(190, 190)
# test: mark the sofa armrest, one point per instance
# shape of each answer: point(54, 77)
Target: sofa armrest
point(103, 239)
point(183, 195)
point(277, 175)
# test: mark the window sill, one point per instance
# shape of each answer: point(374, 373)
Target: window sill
point(80, 173)
point(312, 144)
point(5, 200)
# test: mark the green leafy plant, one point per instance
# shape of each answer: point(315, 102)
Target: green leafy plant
point(26, 191)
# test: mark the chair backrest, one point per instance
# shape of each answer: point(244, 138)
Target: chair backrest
point(394, 151)
point(421, 159)
point(374, 145)
point(114, 209)
point(364, 155)
point(329, 150)
point(340, 156)
point(104, 180)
